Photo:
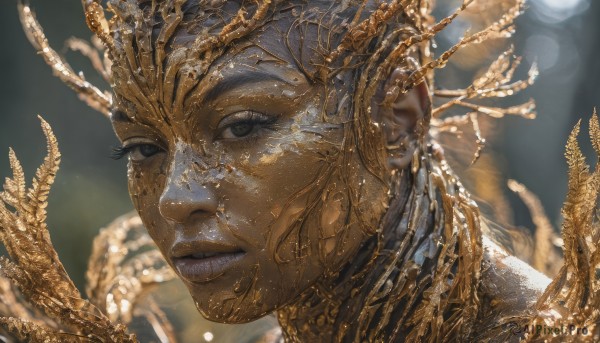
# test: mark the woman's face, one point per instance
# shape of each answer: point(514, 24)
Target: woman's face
point(242, 193)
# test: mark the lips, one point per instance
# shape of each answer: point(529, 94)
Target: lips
point(203, 261)
point(204, 255)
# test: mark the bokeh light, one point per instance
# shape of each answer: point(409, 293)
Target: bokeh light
point(555, 11)
point(543, 50)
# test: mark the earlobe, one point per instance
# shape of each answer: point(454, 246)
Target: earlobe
point(401, 117)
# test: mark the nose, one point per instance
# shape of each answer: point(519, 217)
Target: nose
point(187, 192)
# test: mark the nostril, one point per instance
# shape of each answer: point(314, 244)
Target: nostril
point(180, 201)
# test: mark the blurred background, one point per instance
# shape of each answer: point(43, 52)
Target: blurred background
point(563, 36)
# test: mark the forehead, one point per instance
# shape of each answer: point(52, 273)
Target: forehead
point(258, 58)
point(237, 78)
point(285, 41)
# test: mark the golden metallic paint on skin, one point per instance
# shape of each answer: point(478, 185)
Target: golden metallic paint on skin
point(257, 170)
point(421, 221)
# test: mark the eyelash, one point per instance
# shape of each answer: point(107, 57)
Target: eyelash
point(120, 151)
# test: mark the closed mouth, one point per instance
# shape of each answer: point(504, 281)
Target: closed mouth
point(202, 255)
point(201, 262)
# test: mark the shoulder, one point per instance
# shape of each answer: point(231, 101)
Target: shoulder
point(513, 284)
point(508, 292)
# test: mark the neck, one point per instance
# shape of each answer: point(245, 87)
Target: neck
point(396, 288)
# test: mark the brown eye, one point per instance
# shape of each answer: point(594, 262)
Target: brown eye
point(243, 125)
point(139, 152)
point(242, 129)
point(148, 150)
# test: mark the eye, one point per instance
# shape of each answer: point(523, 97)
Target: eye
point(243, 124)
point(238, 130)
point(140, 152)
point(137, 151)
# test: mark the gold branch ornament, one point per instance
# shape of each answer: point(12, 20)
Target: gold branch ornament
point(544, 257)
point(94, 97)
point(574, 294)
point(34, 265)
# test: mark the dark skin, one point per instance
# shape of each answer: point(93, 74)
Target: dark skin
point(220, 186)
point(218, 181)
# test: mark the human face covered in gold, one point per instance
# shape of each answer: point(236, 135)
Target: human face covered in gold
point(243, 191)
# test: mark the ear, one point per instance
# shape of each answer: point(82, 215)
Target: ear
point(399, 119)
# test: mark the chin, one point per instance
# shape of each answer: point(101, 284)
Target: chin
point(230, 309)
point(228, 315)
point(233, 320)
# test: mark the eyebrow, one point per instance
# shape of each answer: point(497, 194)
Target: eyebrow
point(227, 83)
point(240, 79)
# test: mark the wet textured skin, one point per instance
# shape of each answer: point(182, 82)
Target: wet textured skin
point(509, 290)
point(204, 184)
point(199, 187)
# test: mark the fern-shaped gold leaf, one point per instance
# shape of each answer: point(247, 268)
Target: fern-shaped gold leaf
point(34, 265)
point(574, 293)
point(595, 133)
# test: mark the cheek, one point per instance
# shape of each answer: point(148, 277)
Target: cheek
point(338, 230)
point(334, 224)
point(269, 194)
point(317, 230)
point(145, 187)
point(291, 204)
